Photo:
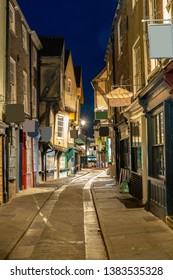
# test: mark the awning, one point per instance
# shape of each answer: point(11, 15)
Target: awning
point(119, 97)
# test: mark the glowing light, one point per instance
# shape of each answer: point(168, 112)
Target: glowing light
point(83, 122)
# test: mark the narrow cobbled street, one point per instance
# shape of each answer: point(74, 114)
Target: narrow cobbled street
point(65, 226)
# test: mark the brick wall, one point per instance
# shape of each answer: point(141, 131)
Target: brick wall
point(20, 56)
point(122, 62)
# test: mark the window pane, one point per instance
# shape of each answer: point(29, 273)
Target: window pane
point(60, 126)
point(158, 160)
point(161, 128)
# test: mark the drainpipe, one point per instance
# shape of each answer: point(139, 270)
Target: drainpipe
point(115, 109)
point(30, 73)
point(145, 43)
point(31, 103)
point(143, 118)
point(5, 155)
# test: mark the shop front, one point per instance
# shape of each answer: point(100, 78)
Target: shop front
point(158, 109)
point(124, 152)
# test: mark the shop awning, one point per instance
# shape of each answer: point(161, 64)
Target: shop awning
point(119, 97)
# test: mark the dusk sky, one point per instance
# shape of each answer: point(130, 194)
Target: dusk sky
point(85, 25)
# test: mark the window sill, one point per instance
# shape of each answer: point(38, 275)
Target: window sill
point(159, 179)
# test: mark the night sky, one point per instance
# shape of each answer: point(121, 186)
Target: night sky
point(85, 25)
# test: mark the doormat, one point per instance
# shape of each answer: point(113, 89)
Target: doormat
point(131, 202)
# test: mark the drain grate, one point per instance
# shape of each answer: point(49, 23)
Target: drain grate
point(150, 218)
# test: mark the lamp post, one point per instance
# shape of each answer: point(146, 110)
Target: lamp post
point(83, 137)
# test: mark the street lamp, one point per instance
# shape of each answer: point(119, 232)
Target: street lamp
point(83, 122)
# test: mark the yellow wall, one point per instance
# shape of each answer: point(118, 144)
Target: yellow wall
point(70, 98)
point(99, 101)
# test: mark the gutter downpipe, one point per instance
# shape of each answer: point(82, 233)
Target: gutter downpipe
point(114, 82)
point(145, 43)
point(5, 155)
point(143, 118)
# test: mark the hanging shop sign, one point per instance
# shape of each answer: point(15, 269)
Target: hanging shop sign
point(36, 131)
point(124, 132)
point(71, 116)
point(101, 115)
point(15, 113)
point(104, 131)
point(74, 133)
point(119, 102)
point(119, 97)
point(46, 133)
point(160, 40)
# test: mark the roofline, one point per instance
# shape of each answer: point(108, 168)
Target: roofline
point(17, 8)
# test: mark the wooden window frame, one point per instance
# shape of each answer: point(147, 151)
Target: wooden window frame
point(60, 126)
point(25, 92)
point(158, 154)
point(13, 97)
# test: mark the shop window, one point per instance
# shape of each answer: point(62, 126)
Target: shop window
point(125, 160)
point(158, 160)
point(136, 147)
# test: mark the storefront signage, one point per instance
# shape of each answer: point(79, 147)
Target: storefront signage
point(101, 115)
point(73, 133)
point(160, 40)
point(120, 102)
point(104, 131)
